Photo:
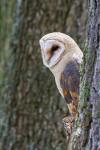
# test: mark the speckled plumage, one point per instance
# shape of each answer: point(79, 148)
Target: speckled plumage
point(70, 79)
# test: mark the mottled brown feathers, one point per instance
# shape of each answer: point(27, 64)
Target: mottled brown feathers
point(70, 79)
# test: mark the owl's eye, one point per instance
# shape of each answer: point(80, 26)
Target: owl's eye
point(51, 52)
point(54, 48)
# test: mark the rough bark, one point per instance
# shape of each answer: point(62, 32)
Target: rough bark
point(86, 131)
point(34, 111)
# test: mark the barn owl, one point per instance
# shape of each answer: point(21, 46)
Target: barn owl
point(63, 57)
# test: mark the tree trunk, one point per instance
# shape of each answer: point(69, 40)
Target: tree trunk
point(86, 131)
point(34, 108)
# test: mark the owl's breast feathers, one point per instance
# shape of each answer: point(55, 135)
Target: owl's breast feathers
point(70, 79)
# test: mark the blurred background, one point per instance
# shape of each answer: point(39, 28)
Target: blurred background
point(31, 109)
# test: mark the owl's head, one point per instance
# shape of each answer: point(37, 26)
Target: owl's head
point(56, 45)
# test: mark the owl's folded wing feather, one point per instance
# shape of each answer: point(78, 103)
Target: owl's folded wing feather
point(70, 79)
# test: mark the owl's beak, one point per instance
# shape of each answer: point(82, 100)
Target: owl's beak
point(43, 47)
point(49, 55)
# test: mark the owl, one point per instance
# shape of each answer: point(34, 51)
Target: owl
point(63, 57)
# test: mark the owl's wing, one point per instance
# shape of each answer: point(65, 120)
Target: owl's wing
point(70, 79)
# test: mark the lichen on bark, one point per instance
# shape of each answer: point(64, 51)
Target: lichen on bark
point(89, 112)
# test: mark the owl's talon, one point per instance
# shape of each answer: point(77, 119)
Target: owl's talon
point(68, 123)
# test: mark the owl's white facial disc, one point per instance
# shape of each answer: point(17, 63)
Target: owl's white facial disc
point(52, 51)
